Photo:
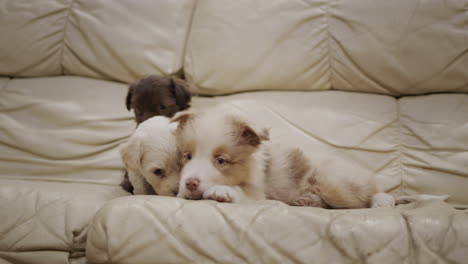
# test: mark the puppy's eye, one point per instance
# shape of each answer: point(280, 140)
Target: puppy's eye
point(220, 161)
point(188, 156)
point(162, 107)
point(159, 172)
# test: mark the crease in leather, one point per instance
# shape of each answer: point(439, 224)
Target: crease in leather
point(444, 69)
point(401, 167)
point(175, 243)
point(329, 48)
point(307, 133)
point(250, 235)
point(430, 167)
point(250, 73)
point(417, 239)
point(188, 35)
point(34, 216)
point(3, 89)
point(342, 77)
point(90, 70)
point(64, 34)
point(364, 74)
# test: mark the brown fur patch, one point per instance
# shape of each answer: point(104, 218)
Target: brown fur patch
point(299, 166)
point(236, 173)
point(220, 150)
point(243, 134)
point(185, 145)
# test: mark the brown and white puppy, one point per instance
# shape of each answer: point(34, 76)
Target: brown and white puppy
point(222, 159)
point(158, 95)
point(151, 158)
point(293, 178)
point(227, 160)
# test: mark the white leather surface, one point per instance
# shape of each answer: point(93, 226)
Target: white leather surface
point(122, 40)
point(392, 47)
point(3, 82)
point(151, 229)
point(47, 222)
point(434, 136)
point(63, 129)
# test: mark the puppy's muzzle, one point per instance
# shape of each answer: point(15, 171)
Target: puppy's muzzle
point(192, 184)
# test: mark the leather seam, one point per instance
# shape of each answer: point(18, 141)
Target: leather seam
point(187, 37)
point(3, 87)
point(400, 148)
point(329, 56)
point(62, 41)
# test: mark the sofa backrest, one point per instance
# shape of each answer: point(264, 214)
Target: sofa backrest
point(397, 47)
point(114, 40)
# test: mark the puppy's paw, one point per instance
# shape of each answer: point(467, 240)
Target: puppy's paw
point(308, 199)
point(382, 200)
point(221, 193)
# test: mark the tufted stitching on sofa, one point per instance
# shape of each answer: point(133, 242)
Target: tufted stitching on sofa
point(188, 35)
point(62, 41)
point(3, 87)
point(400, 148)
point(329, 56)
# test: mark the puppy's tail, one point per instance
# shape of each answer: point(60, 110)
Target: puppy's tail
point(419, 197)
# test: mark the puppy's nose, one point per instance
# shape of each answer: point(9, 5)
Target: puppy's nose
point(192, 184)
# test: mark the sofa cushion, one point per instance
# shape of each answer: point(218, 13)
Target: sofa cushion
point(434, 145)
point(151, 229)
point(391, 47)
point(63, 129)
point(122, 40)
point(47, 222)
point(59, 163)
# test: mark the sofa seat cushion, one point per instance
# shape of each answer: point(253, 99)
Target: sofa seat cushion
point(151, 229)
point(59, 163)
point(47, 222)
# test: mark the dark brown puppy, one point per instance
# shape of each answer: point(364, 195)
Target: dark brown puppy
point(156, 95)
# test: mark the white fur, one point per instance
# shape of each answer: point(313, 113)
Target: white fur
point(223, 193)
point(150, 147)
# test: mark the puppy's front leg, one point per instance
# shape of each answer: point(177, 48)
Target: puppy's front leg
point(224, 194)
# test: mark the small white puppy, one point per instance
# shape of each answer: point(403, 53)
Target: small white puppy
point(151, 158)
point(227, 160)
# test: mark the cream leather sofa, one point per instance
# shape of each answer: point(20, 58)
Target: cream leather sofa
point(382, 84)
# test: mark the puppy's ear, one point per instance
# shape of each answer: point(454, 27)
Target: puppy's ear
point(181, 92)
point(131, 90)
point(182, 118)
point(130, 153)
point(246, 135)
